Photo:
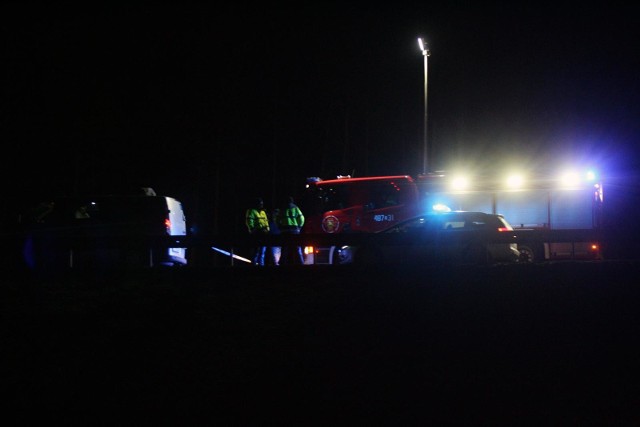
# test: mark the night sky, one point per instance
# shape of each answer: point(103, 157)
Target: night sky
point(215, 105)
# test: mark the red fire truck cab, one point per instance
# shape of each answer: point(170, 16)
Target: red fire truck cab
point(355, 205)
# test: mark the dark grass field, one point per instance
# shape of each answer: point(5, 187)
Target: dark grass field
point(555, 343)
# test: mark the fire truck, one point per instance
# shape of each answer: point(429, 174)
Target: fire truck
point(355, 205)
point(537, 203)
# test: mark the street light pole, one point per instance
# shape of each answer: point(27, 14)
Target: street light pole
point(425, 54)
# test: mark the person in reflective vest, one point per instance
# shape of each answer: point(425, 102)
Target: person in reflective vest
point(257, 223)
point(292, 221)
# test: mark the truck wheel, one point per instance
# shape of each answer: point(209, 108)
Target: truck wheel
point(343, 255)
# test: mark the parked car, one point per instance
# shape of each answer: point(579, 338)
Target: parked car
point(103, 231)
point(457, 237)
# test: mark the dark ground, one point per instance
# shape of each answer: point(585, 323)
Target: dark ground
point(518, 345)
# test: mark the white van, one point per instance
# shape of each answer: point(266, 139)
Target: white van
point(177, 226)
point(103, 231)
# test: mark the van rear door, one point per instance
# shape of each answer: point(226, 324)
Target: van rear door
point(177, 227)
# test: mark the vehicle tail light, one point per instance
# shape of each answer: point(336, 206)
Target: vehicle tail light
point(167, 224)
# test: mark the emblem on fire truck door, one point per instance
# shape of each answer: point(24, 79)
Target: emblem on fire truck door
point(330, 224)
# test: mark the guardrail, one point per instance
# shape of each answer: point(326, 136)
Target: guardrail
point(228, 249)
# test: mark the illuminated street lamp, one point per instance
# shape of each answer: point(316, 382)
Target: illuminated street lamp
point(425, 54)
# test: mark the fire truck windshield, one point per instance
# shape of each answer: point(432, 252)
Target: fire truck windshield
point(318, 199)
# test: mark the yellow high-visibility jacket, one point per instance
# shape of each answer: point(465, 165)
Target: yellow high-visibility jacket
point(257, 221)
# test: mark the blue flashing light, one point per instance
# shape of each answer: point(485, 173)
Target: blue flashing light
point(439, 207)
